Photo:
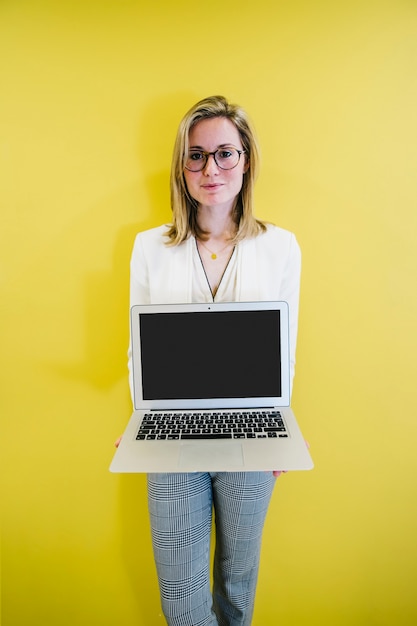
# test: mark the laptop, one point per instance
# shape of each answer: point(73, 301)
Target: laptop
point(211, 386)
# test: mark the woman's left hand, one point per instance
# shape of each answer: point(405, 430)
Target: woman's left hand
point(278, 473)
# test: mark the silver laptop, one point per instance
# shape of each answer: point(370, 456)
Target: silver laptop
point(211, 389)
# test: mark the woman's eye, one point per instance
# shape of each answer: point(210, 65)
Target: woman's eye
point(196, 156)
point(225, 154)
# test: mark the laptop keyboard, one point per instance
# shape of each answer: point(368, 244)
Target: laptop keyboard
point(252, 424)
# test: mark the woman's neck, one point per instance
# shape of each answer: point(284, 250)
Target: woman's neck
point(219, 224)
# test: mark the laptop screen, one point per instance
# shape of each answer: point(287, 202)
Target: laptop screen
point(217, 354)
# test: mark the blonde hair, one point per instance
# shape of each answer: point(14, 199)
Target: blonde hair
point(184, 207)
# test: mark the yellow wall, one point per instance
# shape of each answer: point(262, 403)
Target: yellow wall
point(91, 96)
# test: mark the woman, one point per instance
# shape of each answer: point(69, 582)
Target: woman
point(214, 250)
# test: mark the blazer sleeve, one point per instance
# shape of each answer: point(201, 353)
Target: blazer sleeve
point(158, 273)
point(290, 292)
point(271, 271)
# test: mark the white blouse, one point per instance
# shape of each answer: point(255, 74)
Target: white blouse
point(227, 289)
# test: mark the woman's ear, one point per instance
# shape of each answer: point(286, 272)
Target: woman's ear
point(246, 166)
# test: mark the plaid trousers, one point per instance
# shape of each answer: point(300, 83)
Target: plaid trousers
point(180, 507)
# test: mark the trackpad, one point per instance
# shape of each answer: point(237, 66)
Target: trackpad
point(200, 457)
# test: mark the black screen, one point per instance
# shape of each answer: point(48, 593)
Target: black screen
point(220, 354)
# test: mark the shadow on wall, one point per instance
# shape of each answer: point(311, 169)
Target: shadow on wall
point(105, 302)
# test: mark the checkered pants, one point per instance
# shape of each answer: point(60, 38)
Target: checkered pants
point(180, 507)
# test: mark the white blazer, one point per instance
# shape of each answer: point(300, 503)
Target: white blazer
point(268, 268)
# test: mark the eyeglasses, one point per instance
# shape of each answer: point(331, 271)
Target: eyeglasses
point(225, 158)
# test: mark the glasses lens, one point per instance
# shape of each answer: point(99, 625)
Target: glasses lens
point(195, 161)
point(227, 158)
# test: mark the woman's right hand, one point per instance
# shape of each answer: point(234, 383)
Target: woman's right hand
point(117, 442)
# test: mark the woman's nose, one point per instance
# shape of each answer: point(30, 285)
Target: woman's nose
point(211, 165)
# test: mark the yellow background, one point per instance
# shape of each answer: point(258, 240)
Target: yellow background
point(91, 94)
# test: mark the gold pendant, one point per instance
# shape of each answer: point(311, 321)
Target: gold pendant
point(214, 256)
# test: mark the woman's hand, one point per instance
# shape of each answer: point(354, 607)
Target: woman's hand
point(117, 442)
point(278, 473)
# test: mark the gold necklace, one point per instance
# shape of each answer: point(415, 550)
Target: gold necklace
point(214, 255)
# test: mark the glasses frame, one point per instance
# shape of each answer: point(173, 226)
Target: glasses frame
point(206, 156)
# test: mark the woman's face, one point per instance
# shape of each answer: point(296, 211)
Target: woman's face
point(213, 186)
